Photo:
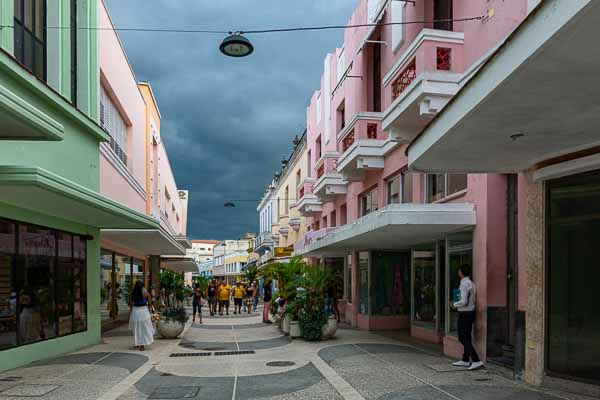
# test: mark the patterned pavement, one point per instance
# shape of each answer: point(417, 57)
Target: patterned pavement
point(205, 364)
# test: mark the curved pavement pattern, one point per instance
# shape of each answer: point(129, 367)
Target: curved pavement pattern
point(356, 365)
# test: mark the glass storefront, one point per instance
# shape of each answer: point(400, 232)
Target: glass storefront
point(390, 284)
point(118, 275)
point(424, 286)
point(573, 312)
point(363, 282)
point(42, 284)
point(348, 279)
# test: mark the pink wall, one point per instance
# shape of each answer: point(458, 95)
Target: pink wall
point(119, 81)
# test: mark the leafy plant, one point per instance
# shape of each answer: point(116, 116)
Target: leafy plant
point(311, 323)
point(177, 314)
point(250, 274)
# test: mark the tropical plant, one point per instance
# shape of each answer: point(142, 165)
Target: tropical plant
point(315, 280)
point(250, 274)
point(202, 282)
point(177, 314)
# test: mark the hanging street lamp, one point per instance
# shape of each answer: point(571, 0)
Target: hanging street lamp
point(236, 45)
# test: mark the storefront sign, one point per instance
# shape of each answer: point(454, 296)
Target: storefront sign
point(284, 251)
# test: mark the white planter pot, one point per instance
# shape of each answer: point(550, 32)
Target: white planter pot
point(169, 329)
point(286, 325)
point(329, 328)
point(295, 331)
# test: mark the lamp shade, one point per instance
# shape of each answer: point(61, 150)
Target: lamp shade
point(236, 46)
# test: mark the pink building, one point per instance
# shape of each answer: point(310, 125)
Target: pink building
point(135, 171)
point(398, 236)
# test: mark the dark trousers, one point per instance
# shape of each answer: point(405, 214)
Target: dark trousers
point(466, 319)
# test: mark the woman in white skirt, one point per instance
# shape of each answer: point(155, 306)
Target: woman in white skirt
point(140, 320)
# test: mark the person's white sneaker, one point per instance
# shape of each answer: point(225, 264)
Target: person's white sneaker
point(461, 364)
point(476, 365)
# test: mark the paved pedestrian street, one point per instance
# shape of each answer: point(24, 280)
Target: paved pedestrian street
point(239, 357)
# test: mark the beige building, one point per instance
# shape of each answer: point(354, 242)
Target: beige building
point(231, 256)
point(288, 225)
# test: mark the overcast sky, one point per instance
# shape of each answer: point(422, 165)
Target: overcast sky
point(228, 122)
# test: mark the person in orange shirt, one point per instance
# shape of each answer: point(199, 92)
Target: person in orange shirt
point(224, 295)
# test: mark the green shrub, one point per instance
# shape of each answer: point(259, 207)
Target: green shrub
point(177, 314)
point(311, 324)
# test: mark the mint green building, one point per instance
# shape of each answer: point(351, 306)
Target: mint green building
point(51, 211)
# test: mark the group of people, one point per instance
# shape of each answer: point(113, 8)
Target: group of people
point(218, 295)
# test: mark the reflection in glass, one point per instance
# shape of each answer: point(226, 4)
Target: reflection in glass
point(348, 284)
point(363, 281)
point(8, 292)
point(390, 284)
point(424, 288)
point(573, 277)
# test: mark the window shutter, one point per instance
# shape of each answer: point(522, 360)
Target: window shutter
point(397, 30)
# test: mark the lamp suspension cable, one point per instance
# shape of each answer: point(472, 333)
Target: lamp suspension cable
point(258, 31)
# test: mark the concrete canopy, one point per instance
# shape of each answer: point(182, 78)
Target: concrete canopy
point(535, 99)
point(145, 241)
point(179, 264)
point(42, 191)
point(395, 227)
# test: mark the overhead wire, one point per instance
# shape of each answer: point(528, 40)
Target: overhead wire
point(257, 31)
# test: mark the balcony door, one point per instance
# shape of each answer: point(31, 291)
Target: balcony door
point(442, 15)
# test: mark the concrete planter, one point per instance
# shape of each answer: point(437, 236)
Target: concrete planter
point(169, 329)
point(285, 327)
point(330, 328)
point(295, 331)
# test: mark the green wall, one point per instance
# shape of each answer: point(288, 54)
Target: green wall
point(50, 348)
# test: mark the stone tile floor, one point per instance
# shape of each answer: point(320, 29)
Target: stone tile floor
point(355, 365)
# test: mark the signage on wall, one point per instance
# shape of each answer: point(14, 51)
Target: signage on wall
point(284, 251)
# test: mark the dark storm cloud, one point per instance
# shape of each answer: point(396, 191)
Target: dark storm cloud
point(228, 122)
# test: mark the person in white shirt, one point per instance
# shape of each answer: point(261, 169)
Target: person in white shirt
point(466, 318)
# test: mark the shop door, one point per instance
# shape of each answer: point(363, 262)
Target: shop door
point(573, 277)
point(513, 257)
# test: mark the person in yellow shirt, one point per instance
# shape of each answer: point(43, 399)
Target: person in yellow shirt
point(224, 295)
point(238, 297)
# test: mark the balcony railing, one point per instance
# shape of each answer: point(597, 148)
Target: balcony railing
point(118, 151)
point(306, 187)
point(406, 77)
point(431, 51)
point(364, 125)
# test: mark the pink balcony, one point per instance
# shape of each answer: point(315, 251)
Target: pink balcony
point(308, 204)
point(363, 145)
point(329, 182)
point(422, 82)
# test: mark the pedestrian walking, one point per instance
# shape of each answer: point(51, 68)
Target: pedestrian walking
point(197, 298)
point(332, 295)
point(211, 293)
point(249, 297)
point(140, 320)
point(238, 297)
point(267, 299)
point(224, 295)
point(256, 296)
point(466, 318)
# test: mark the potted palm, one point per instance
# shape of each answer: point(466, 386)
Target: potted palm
point(172, 322)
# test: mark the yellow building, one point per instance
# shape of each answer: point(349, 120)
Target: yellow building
point(288, 225)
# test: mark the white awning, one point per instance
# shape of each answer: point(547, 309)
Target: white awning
point(396, 227)
point(179, 264)
point(146, 241)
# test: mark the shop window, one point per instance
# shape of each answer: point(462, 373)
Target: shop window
point(42, 284)
point(369, 202)
point(573, 232)
point(348, 279)
point(390, 284)
point(460, 252)
point(363, 282)
point(30, 35)
point(424, 286)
